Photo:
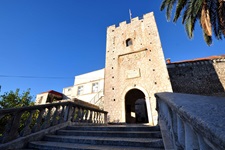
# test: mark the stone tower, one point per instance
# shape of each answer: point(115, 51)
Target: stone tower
point(135, 69)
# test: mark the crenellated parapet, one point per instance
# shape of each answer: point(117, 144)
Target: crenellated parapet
point(136, 19)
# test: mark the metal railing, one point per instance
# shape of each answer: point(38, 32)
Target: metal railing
point(95, 100)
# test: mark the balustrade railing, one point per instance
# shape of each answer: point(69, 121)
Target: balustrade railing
point(19, 122)
point(192, 122)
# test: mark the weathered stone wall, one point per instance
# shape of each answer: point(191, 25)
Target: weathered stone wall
point(198, 77)
point(138, 66)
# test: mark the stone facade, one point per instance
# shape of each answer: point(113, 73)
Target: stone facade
point(134, 62)
point(205, 76)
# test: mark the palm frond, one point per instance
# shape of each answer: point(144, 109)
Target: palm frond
point(188, 27)
point(214, 18)
point(197, 6)
point(208, 39)
point(180, 6)
point(186, 13)
point(210, 13)
point(169, 9)
point(192, 9)
point(164, 4)
point(205, 20)
point(221, 13)
point(191, 15)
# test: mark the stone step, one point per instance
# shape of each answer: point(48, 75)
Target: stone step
point(43, 145)
point(113, 141)
point(130, 134)
point(109, 137)
point(114, 128)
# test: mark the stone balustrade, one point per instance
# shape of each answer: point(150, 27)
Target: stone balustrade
point(20, 122)
point(191, 122)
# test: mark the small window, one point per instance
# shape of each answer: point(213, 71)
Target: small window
point(80, 90)
point(95, 87)
point(128, 42)
point(40, 100)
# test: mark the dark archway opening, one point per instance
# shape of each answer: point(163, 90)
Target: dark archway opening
point(135, 105)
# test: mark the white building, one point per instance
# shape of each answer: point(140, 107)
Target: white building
point(87, 87)
point(48, 97)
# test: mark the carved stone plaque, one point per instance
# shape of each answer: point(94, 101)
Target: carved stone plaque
point(135, 73)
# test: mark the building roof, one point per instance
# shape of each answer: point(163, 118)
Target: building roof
point(53, 92)
point(199, 59)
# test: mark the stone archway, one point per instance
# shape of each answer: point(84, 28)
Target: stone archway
point(135, 107)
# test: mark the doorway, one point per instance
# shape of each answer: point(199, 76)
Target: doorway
point(135, 105)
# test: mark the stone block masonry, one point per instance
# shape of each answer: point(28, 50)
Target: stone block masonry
point(204, 77)
point(134, 60)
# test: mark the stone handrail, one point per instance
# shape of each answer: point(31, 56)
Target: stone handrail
point(191, 122)
point(20, 122)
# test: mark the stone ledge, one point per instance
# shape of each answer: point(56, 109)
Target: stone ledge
point(204, 113)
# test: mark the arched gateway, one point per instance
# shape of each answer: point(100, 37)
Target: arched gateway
point(135, 106)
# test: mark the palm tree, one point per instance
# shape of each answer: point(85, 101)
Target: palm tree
point(210, 13)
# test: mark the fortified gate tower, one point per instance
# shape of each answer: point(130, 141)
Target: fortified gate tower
point(135, 70)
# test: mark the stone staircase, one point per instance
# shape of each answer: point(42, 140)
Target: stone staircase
point(110, 137)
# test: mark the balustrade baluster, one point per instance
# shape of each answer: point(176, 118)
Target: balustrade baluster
point(70, 112)
point(62, 113)
point(96, 117)
point(86, 115)
point(90, 117)
point(100, 118)
point(82, 115)
point(47, 118)
point(191, 141)
point(202, 143)
point(77, 114)
point(7, 127)
point(11, 129)
point(174, 126)
point(55, 115)
point(27, 130)
point(37, 126)
point(73, 115)
point(180, 133)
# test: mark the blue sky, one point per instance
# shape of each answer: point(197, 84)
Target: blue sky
point(64, 38)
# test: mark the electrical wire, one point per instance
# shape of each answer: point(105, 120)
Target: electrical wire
point(11, 76)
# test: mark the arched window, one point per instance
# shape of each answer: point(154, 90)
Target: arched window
point(128, 42)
